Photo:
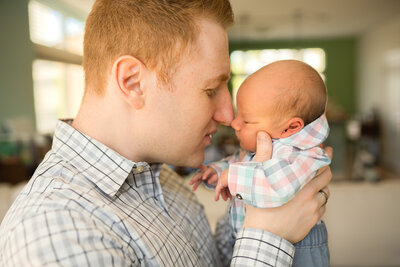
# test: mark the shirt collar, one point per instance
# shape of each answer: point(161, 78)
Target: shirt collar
point(98, 163)
point(310, 136)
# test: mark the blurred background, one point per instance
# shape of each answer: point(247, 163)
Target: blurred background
point(353, 44)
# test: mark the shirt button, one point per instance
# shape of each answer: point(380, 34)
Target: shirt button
point(139, 169)
point(239, 196)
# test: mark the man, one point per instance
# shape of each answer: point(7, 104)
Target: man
point(155, 90)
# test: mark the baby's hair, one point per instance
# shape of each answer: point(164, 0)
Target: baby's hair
point(304, 96)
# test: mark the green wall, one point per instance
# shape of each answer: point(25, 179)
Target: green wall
point(340, 64)
point(16, 55)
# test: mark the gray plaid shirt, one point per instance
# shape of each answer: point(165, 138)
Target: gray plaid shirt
point(86, 205)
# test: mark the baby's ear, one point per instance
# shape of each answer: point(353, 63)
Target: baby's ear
point(292, 126)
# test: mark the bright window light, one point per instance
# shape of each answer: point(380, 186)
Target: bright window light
point(58, 90)
point(53, 28)
point(58, 85)
point(46, 25)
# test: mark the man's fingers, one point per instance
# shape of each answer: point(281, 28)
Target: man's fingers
point(311, 190)
point(326, 190)
point(264, 147)
point(322, 170)
point(320, 181)
point(329, 151)
point(321, 211)
point(322, 198)
point(326, 194)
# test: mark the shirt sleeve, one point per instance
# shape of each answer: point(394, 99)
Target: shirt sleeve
point(251, 247)
point(274, 182)
point(255, 247)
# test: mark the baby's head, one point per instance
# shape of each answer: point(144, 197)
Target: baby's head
point(280, 99)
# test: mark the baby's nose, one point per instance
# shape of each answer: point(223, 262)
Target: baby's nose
point(235, 125)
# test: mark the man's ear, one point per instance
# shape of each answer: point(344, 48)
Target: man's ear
point(293, 126)
point(128, 72)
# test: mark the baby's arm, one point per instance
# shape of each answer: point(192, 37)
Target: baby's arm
point(222, 186)
point(264, 153)
point(211, 172)
point(274, 182)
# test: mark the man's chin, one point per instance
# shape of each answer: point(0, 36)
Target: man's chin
point(195, 164)
point(191, 161)
point(194, 161)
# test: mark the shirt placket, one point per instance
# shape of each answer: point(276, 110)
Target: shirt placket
point(146, 180)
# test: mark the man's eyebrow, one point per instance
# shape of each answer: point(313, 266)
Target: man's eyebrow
point(220, 78)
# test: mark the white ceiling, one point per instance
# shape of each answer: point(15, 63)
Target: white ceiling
point(298, 19)
point(293, 19)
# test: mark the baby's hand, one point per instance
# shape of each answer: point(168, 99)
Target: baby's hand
point(205, 174)
point(222, 187)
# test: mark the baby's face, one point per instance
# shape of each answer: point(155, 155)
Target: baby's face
point(254, 114)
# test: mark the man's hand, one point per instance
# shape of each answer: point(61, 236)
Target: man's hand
point(264, 147)
point(294, 220)
point(205, 174)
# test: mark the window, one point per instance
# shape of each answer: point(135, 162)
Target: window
point(244, 63)
point(57, 72)
point(58, 90)
point(51, 28)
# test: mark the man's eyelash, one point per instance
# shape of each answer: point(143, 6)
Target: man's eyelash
point(211, 92)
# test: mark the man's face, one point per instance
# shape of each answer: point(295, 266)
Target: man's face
point(182, 118)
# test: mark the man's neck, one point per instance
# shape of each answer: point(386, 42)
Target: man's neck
point(101, 120)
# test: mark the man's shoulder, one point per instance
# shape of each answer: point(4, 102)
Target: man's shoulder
point(55, 188)
point(56, 204)
point(51, 227)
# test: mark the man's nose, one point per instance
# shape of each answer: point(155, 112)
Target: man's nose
point(224, 111)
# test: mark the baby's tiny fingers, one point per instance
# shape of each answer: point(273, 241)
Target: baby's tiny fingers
point(196, 185)
point(216, 195)
point(213, 179)
point(223, 194)
point(207, 173)
point(195, 178)
point(218, 189)
point(227, 194)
